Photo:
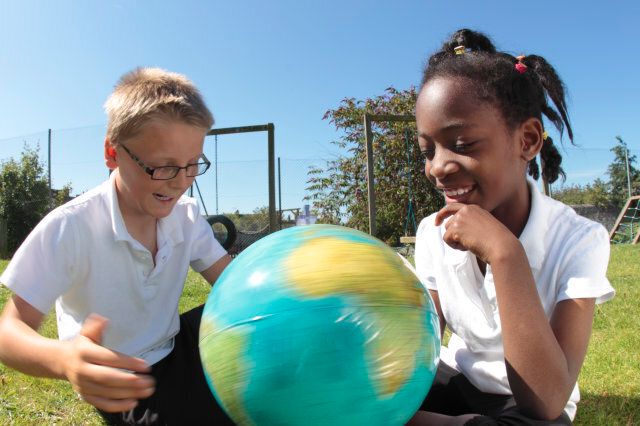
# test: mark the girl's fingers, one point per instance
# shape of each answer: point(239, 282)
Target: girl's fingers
point(446, 211)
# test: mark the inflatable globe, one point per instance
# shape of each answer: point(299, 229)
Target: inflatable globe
point(319, 325)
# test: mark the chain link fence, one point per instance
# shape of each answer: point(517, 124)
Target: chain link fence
point(236, 186)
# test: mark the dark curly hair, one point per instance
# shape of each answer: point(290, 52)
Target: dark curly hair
point(519, 96)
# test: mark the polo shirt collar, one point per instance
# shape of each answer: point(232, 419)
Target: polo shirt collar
point(531, 237)
point(169, 226)
point(118, 227)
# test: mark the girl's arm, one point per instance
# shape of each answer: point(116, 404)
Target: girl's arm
point(543, 358)
point(436, 301)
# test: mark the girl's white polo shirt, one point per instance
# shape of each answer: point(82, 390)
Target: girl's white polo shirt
point(81, 257)
point(568, 255)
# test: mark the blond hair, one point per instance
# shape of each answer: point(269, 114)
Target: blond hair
point(149, 93)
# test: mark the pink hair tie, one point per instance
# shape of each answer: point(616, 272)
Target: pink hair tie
point(520, 66)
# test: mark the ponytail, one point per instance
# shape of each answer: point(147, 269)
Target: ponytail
point(551, 163)
point(520, 87)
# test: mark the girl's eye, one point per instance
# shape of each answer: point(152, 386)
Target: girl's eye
point(463, 147)
point(427, 155)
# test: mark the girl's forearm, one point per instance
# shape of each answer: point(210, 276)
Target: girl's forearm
point(536, 364)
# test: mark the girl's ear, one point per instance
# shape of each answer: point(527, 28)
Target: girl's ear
point(110, 155)
point(531, 138)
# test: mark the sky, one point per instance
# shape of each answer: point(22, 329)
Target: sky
point(286, 63)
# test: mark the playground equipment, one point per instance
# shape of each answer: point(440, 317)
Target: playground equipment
point(231, 237)
point(368, 134)
point(270, 129)
point(627, 226)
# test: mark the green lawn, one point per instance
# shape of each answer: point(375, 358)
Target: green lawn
point(610, 378)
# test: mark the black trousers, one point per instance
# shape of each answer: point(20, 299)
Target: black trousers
point(452, 394)
point(182, 396)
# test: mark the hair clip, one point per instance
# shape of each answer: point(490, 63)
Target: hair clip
point(545, 135)
point(459, 50)
point(520, 66)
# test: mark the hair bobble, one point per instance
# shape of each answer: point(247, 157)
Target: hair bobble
point(459, 50)
point(520, 66)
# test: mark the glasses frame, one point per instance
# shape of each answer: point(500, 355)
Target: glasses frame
point(151, 170)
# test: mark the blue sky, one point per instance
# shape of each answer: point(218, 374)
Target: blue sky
point(287, 62)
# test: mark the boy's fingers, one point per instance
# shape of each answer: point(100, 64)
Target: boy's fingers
point(110, 405)
point(106, 357)
point(117, 386)
point(93, 327)
point(113, 377)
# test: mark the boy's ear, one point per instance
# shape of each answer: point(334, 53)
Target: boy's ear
point(110, 155)
point(531, 138)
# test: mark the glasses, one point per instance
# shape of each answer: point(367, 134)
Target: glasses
point(169, 172)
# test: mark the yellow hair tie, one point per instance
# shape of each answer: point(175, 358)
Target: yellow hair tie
point(545, 135)
point(459, 50)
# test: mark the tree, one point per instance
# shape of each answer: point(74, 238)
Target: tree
point(338, 191)
point(24, 195)
point(596, 193)
point(612, 193)
point(617, 172)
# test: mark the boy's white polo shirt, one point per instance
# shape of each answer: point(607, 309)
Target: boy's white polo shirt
point(568, 255)
point(81, 257)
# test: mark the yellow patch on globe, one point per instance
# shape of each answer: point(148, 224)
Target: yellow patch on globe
point(384, 287)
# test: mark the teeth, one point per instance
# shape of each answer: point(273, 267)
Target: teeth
point(162, 197)
point(459, 191)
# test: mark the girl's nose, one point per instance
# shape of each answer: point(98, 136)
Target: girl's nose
point(441, 165)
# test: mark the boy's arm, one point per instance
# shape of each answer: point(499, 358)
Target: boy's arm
point(212, 273)
point(95, 372)
point(22, 348)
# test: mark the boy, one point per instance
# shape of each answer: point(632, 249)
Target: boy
point(114, 261)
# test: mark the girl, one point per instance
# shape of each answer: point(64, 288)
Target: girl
point(514, 274)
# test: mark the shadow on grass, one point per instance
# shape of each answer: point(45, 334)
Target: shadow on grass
point(608, 410)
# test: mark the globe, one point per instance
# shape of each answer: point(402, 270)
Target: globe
point(319, 325)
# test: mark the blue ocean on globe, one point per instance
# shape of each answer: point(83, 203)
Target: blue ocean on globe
point(319, 325)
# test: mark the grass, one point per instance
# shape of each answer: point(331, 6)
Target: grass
point(609, 381)
point(610, 377)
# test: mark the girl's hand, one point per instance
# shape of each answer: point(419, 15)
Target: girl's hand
point(106, 379)
point(472, 228)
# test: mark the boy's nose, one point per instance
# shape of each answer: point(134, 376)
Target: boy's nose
point(181, 180)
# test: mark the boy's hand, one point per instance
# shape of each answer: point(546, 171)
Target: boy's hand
point(96, 373)
point(472, 228)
